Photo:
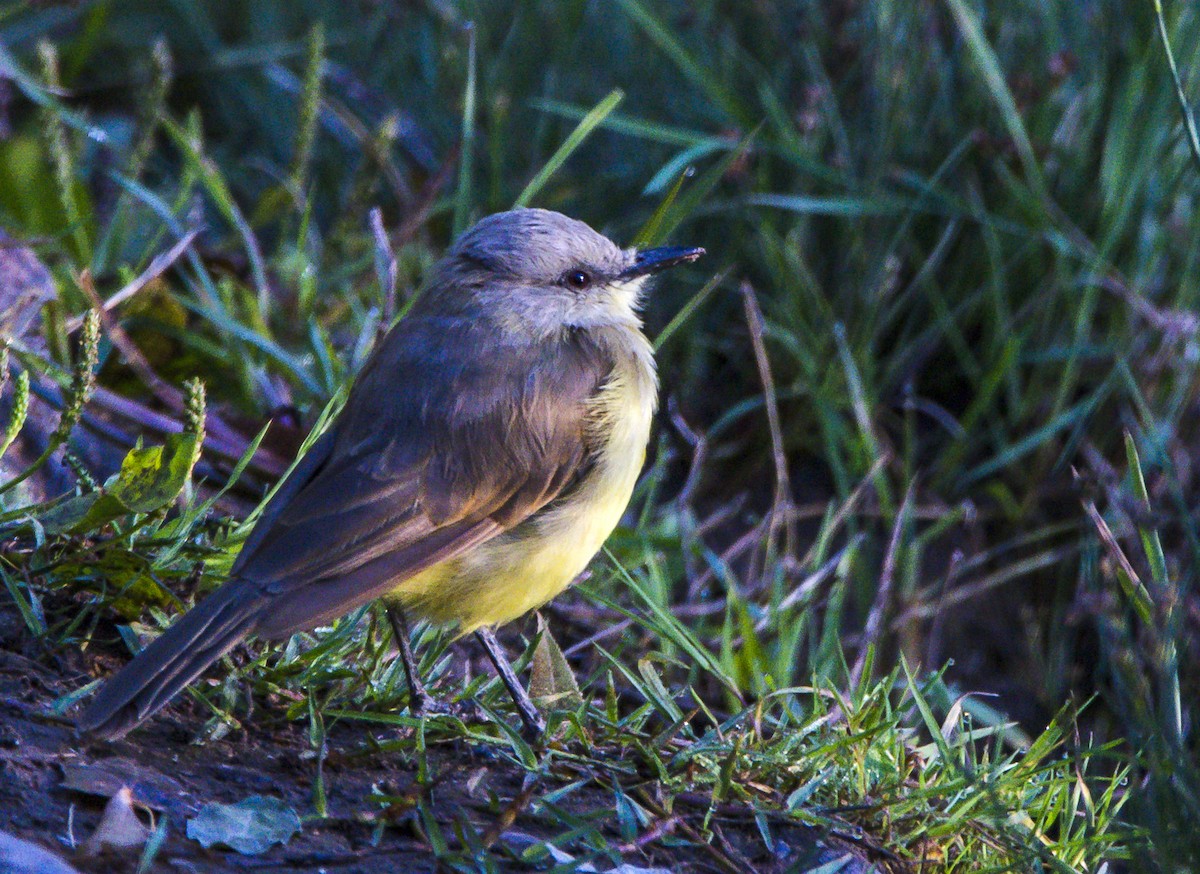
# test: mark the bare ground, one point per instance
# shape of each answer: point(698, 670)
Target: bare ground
point(54, 789)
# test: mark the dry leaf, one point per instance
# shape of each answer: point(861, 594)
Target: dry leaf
point(551, 681)
point(119, 828)
point(251, 826)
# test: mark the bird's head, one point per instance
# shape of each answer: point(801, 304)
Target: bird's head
point(539, 271)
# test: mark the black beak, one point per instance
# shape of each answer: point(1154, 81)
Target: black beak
point(653, 260)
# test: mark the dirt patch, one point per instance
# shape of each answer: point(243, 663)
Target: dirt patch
point(55, 789)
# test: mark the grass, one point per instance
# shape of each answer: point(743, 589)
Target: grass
point(938, 405)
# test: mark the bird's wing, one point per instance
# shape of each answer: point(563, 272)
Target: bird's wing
point(446, 440)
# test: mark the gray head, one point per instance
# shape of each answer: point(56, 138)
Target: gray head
point(539, 271)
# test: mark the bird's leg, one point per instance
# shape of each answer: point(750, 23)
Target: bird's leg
point(420, 699)
point(535, 726)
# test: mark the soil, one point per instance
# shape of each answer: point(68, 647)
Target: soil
point(55, 787)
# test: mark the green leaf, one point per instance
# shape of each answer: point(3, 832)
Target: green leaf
point(149, 479)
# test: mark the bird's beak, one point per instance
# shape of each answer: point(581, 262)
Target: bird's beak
point(653, 260)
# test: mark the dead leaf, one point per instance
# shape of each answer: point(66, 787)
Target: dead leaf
point(119, 828)
point(251, 826)
point(551, 681)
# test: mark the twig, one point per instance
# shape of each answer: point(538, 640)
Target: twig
point(1047, 558)
point(809, 583)
point(510, 813)
point(729, 508)
point(744, 542)
point(168, 394)
point(883, 596)
point(228, 444)
point(157, 268)
point(783, 490)
point(426, 201)
point(933, 642)
point(849, 505)
point(731, 851)
point(660, 827)
point(588, 642)
point(699, 452)
point(720, 858)
point(689, 535)
point(220, 438)
point(385, 267)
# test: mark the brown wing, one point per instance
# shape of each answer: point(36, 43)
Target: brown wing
point(446, 440)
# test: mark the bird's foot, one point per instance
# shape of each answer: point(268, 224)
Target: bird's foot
point(423, 704)
point(533, 725)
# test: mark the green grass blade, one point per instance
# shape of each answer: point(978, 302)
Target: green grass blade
point(463, 198)
point(997, 84)
point(586, 125)
point(670, 45)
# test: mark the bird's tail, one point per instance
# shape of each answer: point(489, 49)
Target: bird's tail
point(179, 655)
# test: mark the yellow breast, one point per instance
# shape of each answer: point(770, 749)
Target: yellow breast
point(524, 568)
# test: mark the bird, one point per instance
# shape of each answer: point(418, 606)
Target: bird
point(485, 452)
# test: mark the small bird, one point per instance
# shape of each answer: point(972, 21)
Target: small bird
point(483, 456)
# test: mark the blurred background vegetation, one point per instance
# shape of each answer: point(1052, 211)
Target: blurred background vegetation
point(964, 429)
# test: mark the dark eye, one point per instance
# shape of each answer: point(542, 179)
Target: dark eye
point(578, 279)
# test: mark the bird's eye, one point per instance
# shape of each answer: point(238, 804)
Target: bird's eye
point(578, 279)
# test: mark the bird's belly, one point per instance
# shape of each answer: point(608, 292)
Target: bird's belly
point(522, 569)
